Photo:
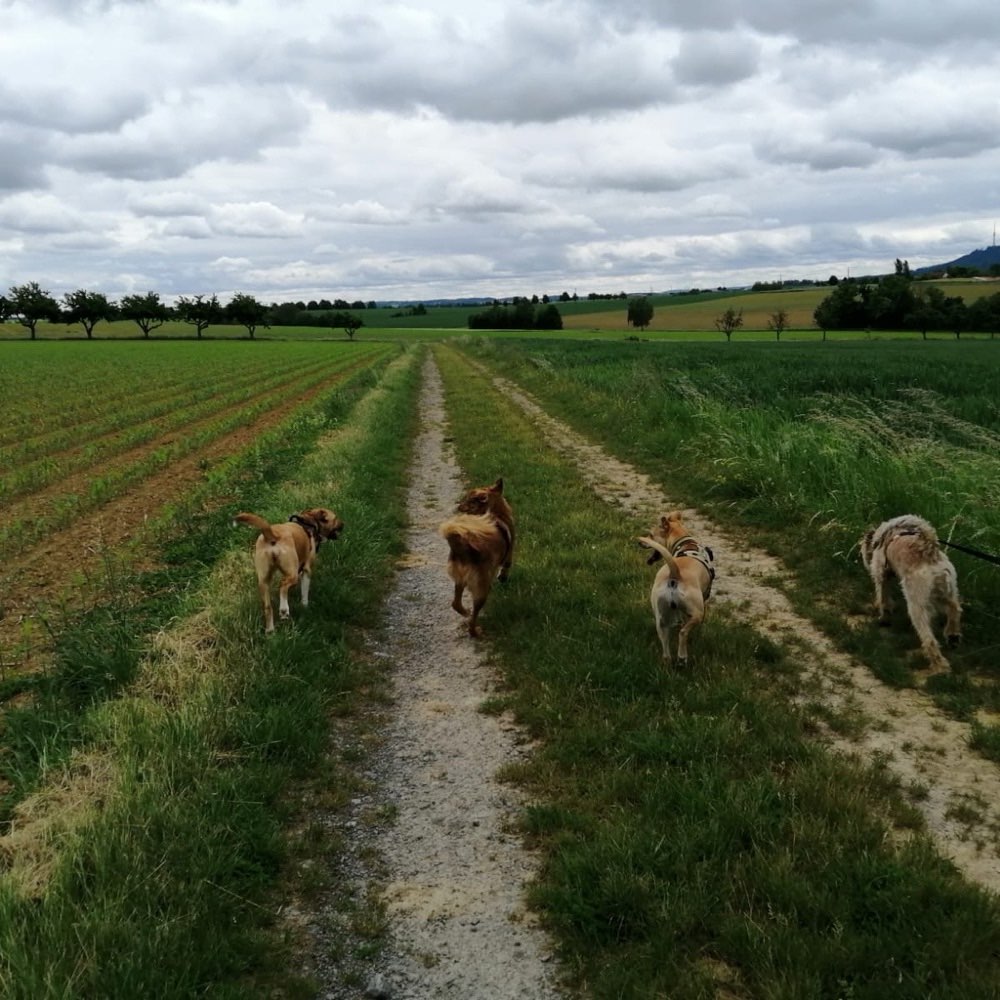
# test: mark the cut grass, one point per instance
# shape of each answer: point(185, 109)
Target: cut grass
point(696, 842)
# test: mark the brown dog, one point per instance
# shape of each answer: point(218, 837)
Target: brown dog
point(683, 585)
point(907, 547)
point(289, 549)
point(481, 546)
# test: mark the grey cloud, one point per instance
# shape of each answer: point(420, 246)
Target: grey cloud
point(709, 58)
point(72, 110)
point(819, 153)
point(167, 204)
point(174, 138)
point(529, 68)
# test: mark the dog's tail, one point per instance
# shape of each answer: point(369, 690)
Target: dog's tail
point(259, 523)
point(469, 537)
point(659, 552)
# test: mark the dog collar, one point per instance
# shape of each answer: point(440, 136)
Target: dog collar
point(310, 529)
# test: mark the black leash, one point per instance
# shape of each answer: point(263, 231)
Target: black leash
point(978, 553)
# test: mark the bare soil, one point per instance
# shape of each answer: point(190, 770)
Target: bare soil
point(67, 567)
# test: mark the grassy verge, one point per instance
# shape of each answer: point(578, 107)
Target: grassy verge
point(697, 843)
point(142, 865)
point(803, 448)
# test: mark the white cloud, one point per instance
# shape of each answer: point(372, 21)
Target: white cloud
point(301, 149)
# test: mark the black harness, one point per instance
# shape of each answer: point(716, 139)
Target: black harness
point(310, 528)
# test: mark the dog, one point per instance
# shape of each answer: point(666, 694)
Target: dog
point(480, 539)
point(907, 547)
point(288, 549)
point(681, 587)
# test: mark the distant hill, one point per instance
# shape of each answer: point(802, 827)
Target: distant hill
point(981, 260)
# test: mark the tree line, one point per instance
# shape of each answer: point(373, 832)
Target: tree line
point(29, 304)
point(896, 302)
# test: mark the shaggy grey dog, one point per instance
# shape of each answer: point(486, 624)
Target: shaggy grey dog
point(907, 547)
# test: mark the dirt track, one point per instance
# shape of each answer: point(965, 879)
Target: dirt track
point(451, 875)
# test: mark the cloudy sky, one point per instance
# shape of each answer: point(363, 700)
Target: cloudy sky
point(298, 149)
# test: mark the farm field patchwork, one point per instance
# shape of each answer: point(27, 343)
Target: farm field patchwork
point(697, 840)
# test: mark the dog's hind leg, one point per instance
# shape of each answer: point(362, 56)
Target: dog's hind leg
point(287, 582)
point(477, 606)
point(883, 599)
point(662, 614)
point(457, 600)
point(917, 603)
point(264, 589)
point(953, 618)
point(693, 620)
point(304, 581)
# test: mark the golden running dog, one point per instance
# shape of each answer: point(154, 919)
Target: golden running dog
point(907, 547)
point(682, 586)
point(288, 549)
point(480, 547)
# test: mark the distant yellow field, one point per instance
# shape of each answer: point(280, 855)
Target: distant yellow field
point(758, 307)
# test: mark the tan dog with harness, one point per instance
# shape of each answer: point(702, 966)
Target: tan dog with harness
point(480, 547)
point(682, 586)
point(907, 547)
point(289, 549)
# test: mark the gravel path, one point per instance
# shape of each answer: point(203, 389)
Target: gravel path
point(451, 873)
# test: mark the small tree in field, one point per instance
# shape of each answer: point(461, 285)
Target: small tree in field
point(199, 311)
point(778, 322)
point(248, 312)
point(351, 324)
point(640, 311)
point(729, 322)
point(29, 303)
point(146, 311)
point(87, 309)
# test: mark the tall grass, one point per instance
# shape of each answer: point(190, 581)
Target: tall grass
point(805, 447)
point(142, 867)
point(696, 842)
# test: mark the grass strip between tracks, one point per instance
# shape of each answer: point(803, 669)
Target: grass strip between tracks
point(696, 841)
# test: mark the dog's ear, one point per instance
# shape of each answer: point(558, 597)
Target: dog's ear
point(497, 487)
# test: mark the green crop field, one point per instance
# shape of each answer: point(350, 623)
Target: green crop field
point(159, 754)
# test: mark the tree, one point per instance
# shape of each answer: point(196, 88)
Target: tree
point(351, 324)
point(4, 308)
point(778, 322)
point(29, 303)
point(729, 322)
point(248, 312)
point(199, 311)
point(549, 318)
point(146, 311)
point(640, 311)
point(87, 309)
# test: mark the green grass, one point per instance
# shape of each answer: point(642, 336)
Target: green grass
point(696, 841)
point(168, 736)
point(802, 447)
